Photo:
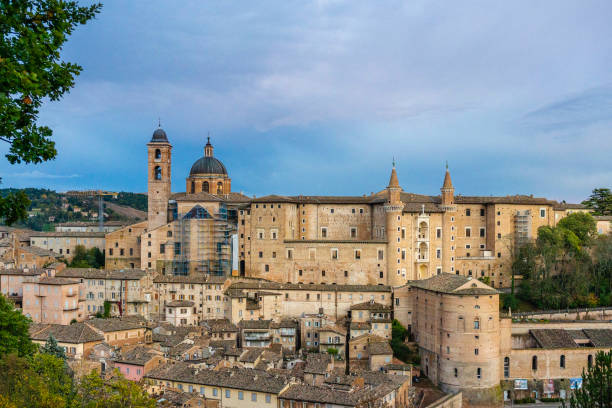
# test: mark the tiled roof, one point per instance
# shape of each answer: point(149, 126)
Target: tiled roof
point(304, 286)
point(450, 283)
point(34, 250)
point(600, 337)
point(603, 217)
point(206, 197)
point(317, 363)
point(136, 356)
point(69, 234)
point(90, 273)
point(251, 355)
point(314, 199)
point(285, 323)
point(241, 379)
point(380, 347)
point(90, 224)
point(219, 325)
point(74, 333)
point(361, 326)
point(116, 324)
point(553, 338)
point(320, 394)
point(22, 272)
point(57, 281)
point(180, 303)
point(371, 305)
point(189, 279)
point(255, 324)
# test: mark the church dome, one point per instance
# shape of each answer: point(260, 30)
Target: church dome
point(159, 136)
point(207, 165)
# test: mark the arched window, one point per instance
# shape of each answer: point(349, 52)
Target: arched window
point(205, 187)
point(562, 361)
point(219, 188)
point(157, 154)
point(506, 367)
point(590, 360)
point(534, 362)
point(192, 187)
point(157, 173)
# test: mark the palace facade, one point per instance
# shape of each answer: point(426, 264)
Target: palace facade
point(387, 238)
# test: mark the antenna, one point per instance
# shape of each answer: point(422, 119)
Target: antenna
point(158, 122)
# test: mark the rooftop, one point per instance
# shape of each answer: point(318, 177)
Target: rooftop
point(74, 333)
point(454, 284)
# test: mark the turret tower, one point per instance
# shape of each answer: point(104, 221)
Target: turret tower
point(393, 210)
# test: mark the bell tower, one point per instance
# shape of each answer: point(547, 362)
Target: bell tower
point(447, 204)
point(158, 175)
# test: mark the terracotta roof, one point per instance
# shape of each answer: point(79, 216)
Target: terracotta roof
point(22, 272)
point(600, 337)
point(317, 363)
point(305, 286)
point(452, 284)
point(180, 303)
point(241, 379)
point(189, 279)
point(34, 250)
point(285, 323)
point(393, 182)
point(379, 348)
point(69, 234)
point(255, 324)
point(553, 338)
point(206, 197)
point(447, 180)
point(91, 273)
point(219, 325)
point(90, 224)
point(321, 395)
point(57, 281)
point(371, 305)
point(137, 356)
point(360, 326)
point(74, 333)
point(251, 355)
point(116, 324)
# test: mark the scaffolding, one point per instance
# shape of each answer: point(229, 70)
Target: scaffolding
point(201, 243)
point(522, 226)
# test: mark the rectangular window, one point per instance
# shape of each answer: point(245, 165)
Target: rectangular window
point(438, 253)
point(324, 232)
point(542, 212)
point(240, 395)
point(381, 254)
point(358, 254)
point(162, 248)
point(482, 232)
point(468, 232)
point(403, 233)
point(215, 392)
point(353, 232)
point(268, 399)
point(290, 254)
point(177, 248)
point(253, 396)
point(438, 232)
point(334, 254)
point(482, 212)
point(468, 212)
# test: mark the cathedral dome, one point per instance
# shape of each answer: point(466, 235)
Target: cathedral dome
point(207, 165)
point(159, 136)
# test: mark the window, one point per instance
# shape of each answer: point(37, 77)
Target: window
point(590, 361)
point(456, 372)
point(268, 398)
point(157, 173)
point(177, 248)
point(476, 324)
point(468, 212)
point(334, 253)
point(482, 212)
point(215, 392)
point(542, 212)
point(228, 394)
point(323, 232)
point(438, 253)
point(438, 232)
point(162, 248)
point(562, 361)
point(381, 254)
point(479, 373)
point(358, 254)
point(353, 232)
point(240, 395)
point(468, 232)
point(534, 362)
point(475, 351)
point(506, 367)
point(482, 232)
point(261, 254)
point(290, 254)
point(157, 154)
point(253, 396)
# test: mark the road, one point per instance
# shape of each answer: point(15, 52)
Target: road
point(538, 405)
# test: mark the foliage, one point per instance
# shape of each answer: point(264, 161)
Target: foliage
point(42, 381)
point(332, 351)
point(107, 309)
point(52, 348)
point(526, 400)
point(485, 279)
point(596, 391)
point(567, 266)
point(400, 348)
point(87, 258)
point(138, 201)
point(32, 33)
point(14, 336)
point(600, 201)
point(117, 392)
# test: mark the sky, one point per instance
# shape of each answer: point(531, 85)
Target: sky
point(319, 97)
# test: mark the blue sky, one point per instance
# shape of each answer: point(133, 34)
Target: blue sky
point(317, 97)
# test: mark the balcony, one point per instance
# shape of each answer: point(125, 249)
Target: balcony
point(422, 258)
point(70, 307)
point(256, 336)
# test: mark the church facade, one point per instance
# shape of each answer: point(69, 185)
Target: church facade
point(389, 238)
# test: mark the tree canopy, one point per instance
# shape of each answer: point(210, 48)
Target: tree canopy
point(600, 201)
point(14, 336)
point(32, 34)
point(596, 391)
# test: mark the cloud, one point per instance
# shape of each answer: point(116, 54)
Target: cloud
point(35, 174)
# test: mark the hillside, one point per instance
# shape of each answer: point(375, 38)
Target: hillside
point(49, 207)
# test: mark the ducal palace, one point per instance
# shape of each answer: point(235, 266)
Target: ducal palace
point(387, 238)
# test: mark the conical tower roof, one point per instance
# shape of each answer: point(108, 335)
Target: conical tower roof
point(447, 179)
point(393, 182)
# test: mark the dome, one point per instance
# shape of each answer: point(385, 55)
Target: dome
point(159, 136)
point(207, 165)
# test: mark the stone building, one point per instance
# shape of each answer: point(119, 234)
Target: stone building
point(63, 243)
point(387, 238)
point(53, 300)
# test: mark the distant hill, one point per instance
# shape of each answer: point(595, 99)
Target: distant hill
point(50, 207)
